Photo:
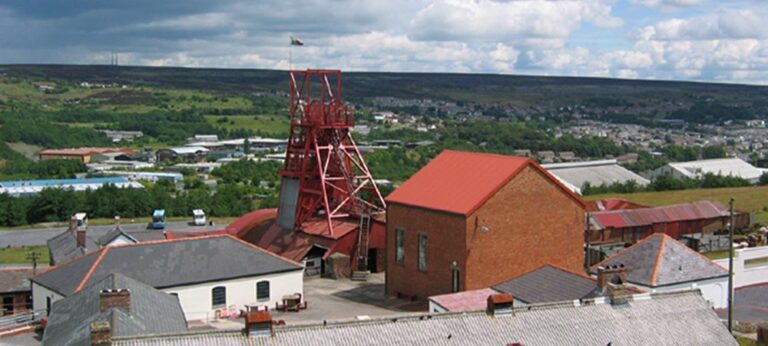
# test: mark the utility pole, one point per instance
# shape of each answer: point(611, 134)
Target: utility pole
point(589, 236)
point(33, 256)
point(730, 267)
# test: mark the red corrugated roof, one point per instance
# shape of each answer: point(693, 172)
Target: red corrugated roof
point(613, 204)
point(460, 182)
point(649, 216)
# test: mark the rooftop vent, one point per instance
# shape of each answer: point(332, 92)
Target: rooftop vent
point(500, 304)
point(259, 324)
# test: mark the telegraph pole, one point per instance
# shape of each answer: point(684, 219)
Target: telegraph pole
point(33, 256)
point(730, 267)
point(589, 236)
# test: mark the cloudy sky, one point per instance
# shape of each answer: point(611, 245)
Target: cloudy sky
point(707, 40)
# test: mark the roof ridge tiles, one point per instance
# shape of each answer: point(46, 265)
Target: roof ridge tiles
point(659, 258)
point(92, 269)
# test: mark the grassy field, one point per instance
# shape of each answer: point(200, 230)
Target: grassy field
point(16, 255)
point(267, 123)
point(747, 198)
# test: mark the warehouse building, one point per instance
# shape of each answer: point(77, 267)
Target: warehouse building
point(576, 175)
point(84, 155)
point(631, 225)
point(19, 188)
point(734, 167)
point(470, 220)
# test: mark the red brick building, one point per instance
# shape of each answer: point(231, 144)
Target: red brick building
point(470, 220)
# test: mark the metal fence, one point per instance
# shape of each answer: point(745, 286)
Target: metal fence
point(20, 319)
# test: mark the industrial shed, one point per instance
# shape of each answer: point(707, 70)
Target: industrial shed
point(604, 172)
point(629, 226)
point(734, 167)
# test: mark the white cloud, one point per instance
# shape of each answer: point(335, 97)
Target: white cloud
point(487, 20)
point(674, 3)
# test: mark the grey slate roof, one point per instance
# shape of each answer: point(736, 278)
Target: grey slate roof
point(114, 233)
point(151, 312)
point(680, 318)
point(660, 260)
point(550, 284)
point(15, 280)
point(168, 263)
point(64, 247)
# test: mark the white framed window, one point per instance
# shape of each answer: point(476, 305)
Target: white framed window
point(400, 246)
point(422, 252)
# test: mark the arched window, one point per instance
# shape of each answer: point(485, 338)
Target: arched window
point(262, 290)
point(219, 296)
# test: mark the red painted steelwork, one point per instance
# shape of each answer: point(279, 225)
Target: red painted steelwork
point(323, 157)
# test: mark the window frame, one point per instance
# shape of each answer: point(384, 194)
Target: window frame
point(213, 297)
point(400, 246)
point(269, 291)
point(421, 255)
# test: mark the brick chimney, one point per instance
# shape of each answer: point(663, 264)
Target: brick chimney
point(606, 275)
point(259, 323)
point(500, 304)
point(73, 223)
point(101, 333)
point(115, 298)
point(80, 235)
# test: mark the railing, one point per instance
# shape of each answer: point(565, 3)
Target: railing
point(21, 319)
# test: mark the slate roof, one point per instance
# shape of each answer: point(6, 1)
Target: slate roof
point(114, 233)
point(168, 263)
point(550, 284)
point(679, 318)
point(460, 182)
point(151, 312)
point(15, 280)
point(660, 260)
point(64, 247)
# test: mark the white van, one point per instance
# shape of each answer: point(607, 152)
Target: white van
point(198, 217)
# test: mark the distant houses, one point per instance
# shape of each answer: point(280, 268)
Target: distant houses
point(84, 155)
point(17, 188)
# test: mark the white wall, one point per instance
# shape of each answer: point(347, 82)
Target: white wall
point(743, 276)
point(120, 240)
point(714, 291)
point(39, 295)
point(196, 300)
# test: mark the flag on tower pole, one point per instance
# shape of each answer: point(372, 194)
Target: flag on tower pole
point(295, 41)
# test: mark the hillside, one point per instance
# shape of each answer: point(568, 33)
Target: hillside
point(482, 88)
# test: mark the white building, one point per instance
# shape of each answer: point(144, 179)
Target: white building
point(597, 173)
point(659, 263)
point(211, 275)
point(750, 266)
point(734, 167)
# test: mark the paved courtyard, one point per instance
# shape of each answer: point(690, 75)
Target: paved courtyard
point(750, 304)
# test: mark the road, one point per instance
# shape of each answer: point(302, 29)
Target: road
point(38, 236)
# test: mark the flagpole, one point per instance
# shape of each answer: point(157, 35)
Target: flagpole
point(290, 50)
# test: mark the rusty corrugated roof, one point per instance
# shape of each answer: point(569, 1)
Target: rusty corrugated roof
point(649, 216)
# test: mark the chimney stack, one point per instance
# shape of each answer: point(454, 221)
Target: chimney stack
point(606, 275)
point(500, 304)
point(80, 238)
point(101, 333)
point(115, 298)
point(73, 224)
point(259, 323)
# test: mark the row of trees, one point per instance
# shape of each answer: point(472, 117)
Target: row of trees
point(669, 183)
point(109, 201)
